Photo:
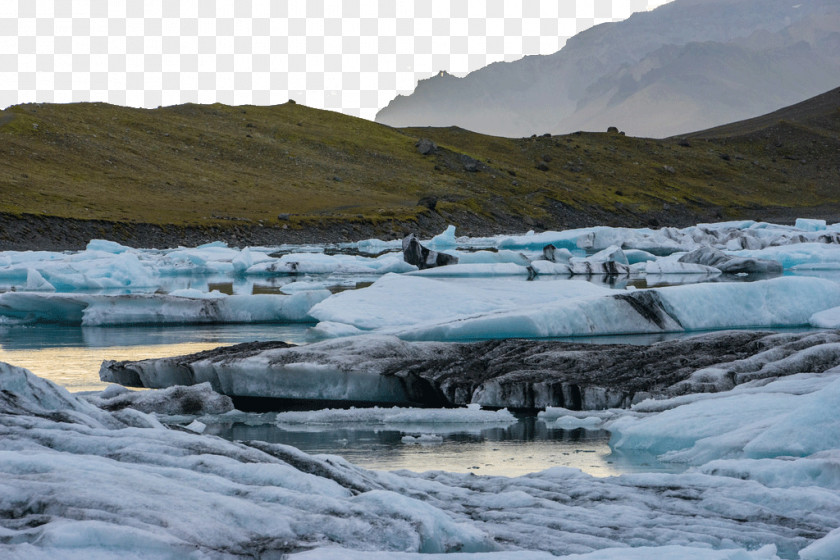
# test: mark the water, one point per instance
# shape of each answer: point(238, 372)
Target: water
point(70, 356)
point(526, 446)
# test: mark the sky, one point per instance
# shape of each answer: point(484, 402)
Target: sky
point(351, 56)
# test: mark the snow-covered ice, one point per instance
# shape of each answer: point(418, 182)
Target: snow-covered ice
point(539, 310)
point(81, 482)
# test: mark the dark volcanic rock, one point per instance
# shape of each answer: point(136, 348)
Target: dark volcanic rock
point(425, 146)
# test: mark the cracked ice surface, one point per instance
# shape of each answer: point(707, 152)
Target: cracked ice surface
point(81, 482)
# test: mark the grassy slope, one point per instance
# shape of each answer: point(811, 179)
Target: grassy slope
point(220, 165)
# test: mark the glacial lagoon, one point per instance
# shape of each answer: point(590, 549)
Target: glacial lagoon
point(744, 471)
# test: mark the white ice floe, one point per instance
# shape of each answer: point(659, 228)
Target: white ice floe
point(794, 416)
point(184, 308)
point(553, 309)
point(373, 307)
point(827, 319)
point(473, 414)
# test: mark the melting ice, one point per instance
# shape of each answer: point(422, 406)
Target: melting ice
point(112, 474)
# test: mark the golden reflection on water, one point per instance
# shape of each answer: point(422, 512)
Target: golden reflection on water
point(498, 458)
point(77, 368)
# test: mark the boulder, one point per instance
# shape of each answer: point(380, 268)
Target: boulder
point(426, 146)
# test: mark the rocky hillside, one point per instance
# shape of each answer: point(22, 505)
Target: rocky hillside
point(189, 174)
point(687, 65)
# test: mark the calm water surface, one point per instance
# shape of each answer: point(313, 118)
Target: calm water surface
point(71, 356)
point(526, 446)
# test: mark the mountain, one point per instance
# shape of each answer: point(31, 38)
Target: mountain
point(687, 65)
point(189, 174)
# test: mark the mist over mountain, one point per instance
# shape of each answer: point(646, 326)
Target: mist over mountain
point(687, 65)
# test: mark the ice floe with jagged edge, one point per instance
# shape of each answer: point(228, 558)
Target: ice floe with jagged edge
point(511, 373)
point(479, 311)
point(179, 307)
point(80, 482)
point(730, 236)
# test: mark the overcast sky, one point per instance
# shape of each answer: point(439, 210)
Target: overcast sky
point(352, 56)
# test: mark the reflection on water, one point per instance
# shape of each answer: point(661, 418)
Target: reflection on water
point(71, 356)
point(524, 447)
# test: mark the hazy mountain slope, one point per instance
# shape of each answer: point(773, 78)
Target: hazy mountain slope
point(629, 68)
point(820, 114)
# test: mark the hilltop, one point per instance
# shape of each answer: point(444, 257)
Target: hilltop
point(288, 173)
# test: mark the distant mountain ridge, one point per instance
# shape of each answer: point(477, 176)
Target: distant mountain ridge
point(688, 65)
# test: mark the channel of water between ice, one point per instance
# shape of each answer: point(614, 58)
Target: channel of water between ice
point(70, 356)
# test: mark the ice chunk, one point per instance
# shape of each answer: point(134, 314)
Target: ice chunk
point(809, 224)
point(195, 400)
point(197, 294)
point(474, 270)
point(671, 266)
point(469, 415)
point(827, 319)
point(773, 420)
point(637, 256)
point(246, 259)
point(493, 257)
point(608, 261)
point(444, 240)
point(803, 256)
point(106, 246)
point(36, 283)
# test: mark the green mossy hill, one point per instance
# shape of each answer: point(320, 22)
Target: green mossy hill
point(221, 167)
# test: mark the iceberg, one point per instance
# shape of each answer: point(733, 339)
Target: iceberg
point(187, 308)
point(780, 302)
point(516, 374)
point(373, 307)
